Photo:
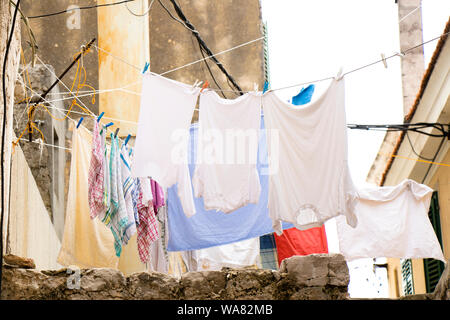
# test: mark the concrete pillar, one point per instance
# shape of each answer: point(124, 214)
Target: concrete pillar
point(412, 64)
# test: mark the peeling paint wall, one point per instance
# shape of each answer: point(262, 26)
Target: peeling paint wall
point(125, 36)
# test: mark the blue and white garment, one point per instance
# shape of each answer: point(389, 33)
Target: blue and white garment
point(116, 217)
point(128, 184)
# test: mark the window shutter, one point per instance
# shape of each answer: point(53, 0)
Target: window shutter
point(434, 268)
point(407, 277)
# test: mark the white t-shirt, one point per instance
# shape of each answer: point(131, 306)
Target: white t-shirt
point(309, 180)
point(225, 174)
point(162, 137)
point(392, 222)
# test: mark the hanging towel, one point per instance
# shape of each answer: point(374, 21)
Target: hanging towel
point(309, 179)
point(234, 255)
point(158, 195)
point(128, 184)
point(117, 217)
point(209, 228)
point(268, 252)
point(162, 136)
point(225, 175)
point(96, 175)
point(294, 242)
point(392, 222)
point(147, 229)
point(86, 243)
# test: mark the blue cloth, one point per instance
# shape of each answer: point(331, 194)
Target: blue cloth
point(304, 96)
point(210, 228)
point(213, 228)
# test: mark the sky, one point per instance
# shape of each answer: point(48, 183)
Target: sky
point(310, 40)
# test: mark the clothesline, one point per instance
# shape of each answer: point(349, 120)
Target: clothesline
point(123, 88)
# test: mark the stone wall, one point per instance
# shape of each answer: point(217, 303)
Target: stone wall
point(313, 277)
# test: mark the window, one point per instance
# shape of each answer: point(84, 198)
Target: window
point(407, 277)
point(434, 268)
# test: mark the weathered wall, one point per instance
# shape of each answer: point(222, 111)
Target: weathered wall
point(10, 72)
point(313, 277)
point(124, 36)
point(60, 37)
point(222, 25)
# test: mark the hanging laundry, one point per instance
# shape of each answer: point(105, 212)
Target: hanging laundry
point(301, 242)
point(162, 136)
point(304, 96)
point(86, 243)
point(310, 180)
point(158, 196)
point(294, 242)
point(225, 175)
point(392, 222)
point(159, 258)
point(128, 184)
point(117, 217)
point(147, 229)
point(106, 176)
point(234, 255)
point(209, 228)
point(268, 252)
point(96, 175)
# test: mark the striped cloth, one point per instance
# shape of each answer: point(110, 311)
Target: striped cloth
point(268, 252)
point(128, 184)
point(116, 217)
point(147, 229)
point(96, 175)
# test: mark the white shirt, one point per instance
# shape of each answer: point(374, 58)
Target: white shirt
point(162, 135)
point(392, 222)
point(309, 180)
point(225, 174)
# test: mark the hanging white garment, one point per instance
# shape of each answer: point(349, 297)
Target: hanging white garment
point(233, 255)
point(392, 222)
point(162, 136)
point(225, 174)
point(309, 180)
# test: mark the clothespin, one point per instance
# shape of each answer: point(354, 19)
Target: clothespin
point(255, 86)
point(79, 122)
point(400, 54)
point(100, 116)
point(339, 75)
point(115, 133)
point(205, 85)
point(128, 138)
point(109, 124)
point(147, 64)
point(266, 86)
point(383, 58)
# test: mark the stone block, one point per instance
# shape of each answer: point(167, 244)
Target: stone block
point(203, 285)
point(152, 286)
point(19, 262)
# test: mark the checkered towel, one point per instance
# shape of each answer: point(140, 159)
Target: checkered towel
point(96, 175)
point(147, 229)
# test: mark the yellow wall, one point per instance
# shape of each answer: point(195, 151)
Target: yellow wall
point(125, 36)
point(439, 182)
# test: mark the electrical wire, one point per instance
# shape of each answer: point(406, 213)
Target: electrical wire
point(80, 8)
point(5, 109)
point(139, 15)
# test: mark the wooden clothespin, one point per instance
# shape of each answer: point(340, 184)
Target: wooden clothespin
point(205, 85)
point(383, 58)
point(339, 75)
point(79, 122)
